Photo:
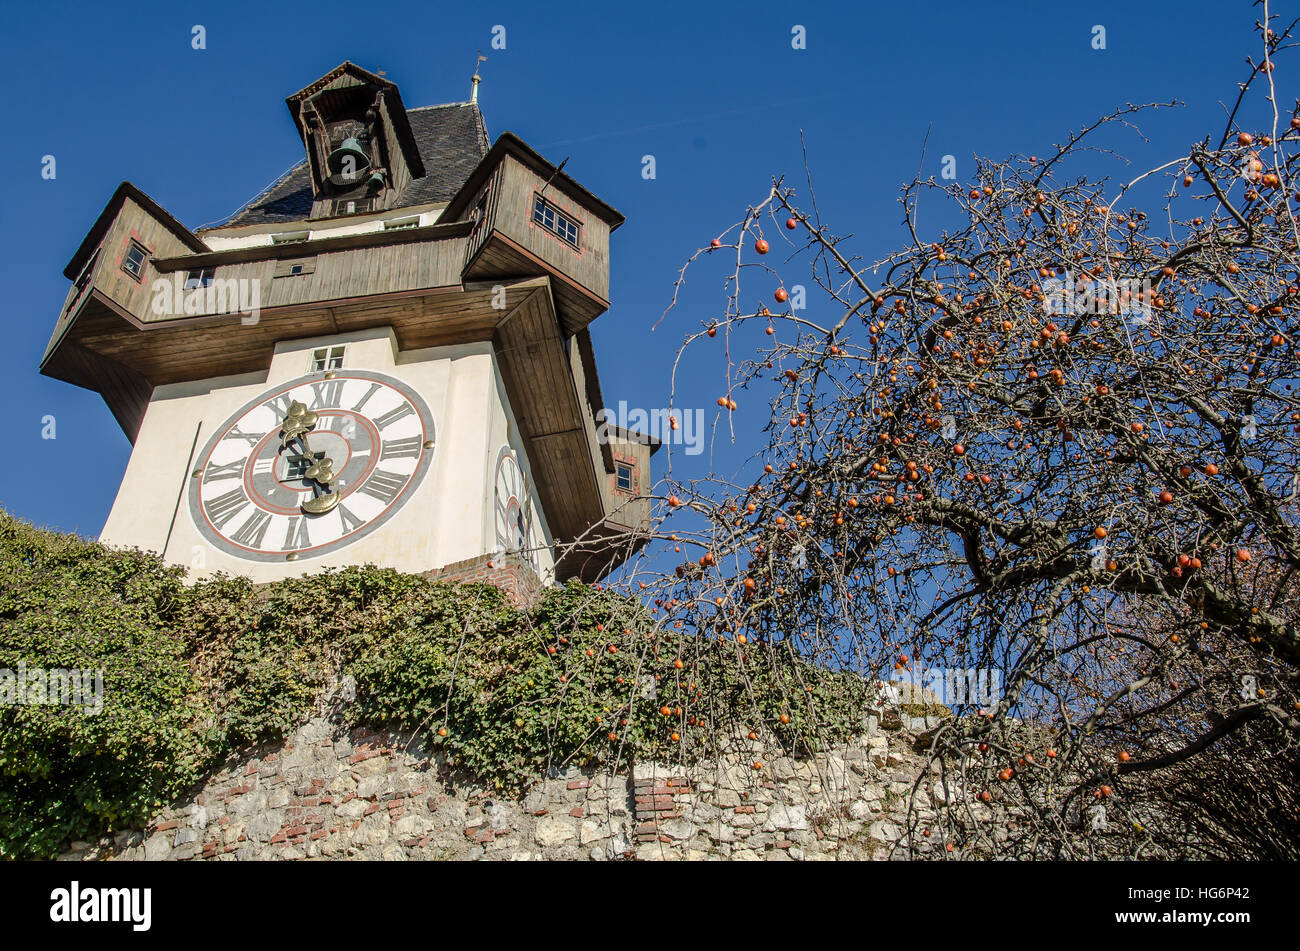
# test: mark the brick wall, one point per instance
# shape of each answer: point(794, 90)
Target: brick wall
point(510, 572)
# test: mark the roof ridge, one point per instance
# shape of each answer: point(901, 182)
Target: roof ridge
point(442, 105)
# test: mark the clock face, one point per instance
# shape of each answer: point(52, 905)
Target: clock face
point(311, 466)
point(514, 530)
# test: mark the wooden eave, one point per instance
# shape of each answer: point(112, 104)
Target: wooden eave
point(501, 257)
point(182, 349)
point(551, 414)
point(601, 551)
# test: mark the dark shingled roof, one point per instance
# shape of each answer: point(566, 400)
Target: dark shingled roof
point(452, 141)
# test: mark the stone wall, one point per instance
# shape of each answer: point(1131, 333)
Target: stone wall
point(335, 794)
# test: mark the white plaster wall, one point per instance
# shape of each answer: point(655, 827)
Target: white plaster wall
point(505, 431)
point(447, 519)
point(219, 241)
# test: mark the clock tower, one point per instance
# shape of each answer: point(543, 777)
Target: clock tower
point(382, 358)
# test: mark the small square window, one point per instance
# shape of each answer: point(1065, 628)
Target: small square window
point(555, 221)
point(327, 358)
point(133, 263)
point(296, 466)
point(624, 477)
point(295, 269)
point(202, 278)
point(353, 206)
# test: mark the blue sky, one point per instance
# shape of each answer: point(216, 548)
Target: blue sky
point(713, 91)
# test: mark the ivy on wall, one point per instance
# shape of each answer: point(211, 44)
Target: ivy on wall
point(195, 673)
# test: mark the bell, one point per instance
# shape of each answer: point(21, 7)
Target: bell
point(349, 159)
point(376, 180)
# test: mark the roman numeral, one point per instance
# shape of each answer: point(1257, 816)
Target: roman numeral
point(264, 465)
point(407, 448)
point(393, 415)
point(295, 536)
point(280, 404)
point(350, 522)
point(253, 531)
point(251, 438)
point(222, 508)
point(384, 485)
point(327, 393)
point(227, 470)
point(374, 388)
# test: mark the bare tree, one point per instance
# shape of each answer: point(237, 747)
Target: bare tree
point(1056, 443)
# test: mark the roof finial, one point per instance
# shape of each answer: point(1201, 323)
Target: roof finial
point(476, 79)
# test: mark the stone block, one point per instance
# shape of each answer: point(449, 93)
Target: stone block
point(553, 831)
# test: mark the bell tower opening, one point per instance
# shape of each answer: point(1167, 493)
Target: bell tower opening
point(360, 149)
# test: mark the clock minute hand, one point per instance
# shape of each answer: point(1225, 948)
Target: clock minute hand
point(297, 423)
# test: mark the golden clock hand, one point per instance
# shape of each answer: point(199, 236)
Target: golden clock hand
point(298, 421)
point(320, 504)
point(322, 471)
